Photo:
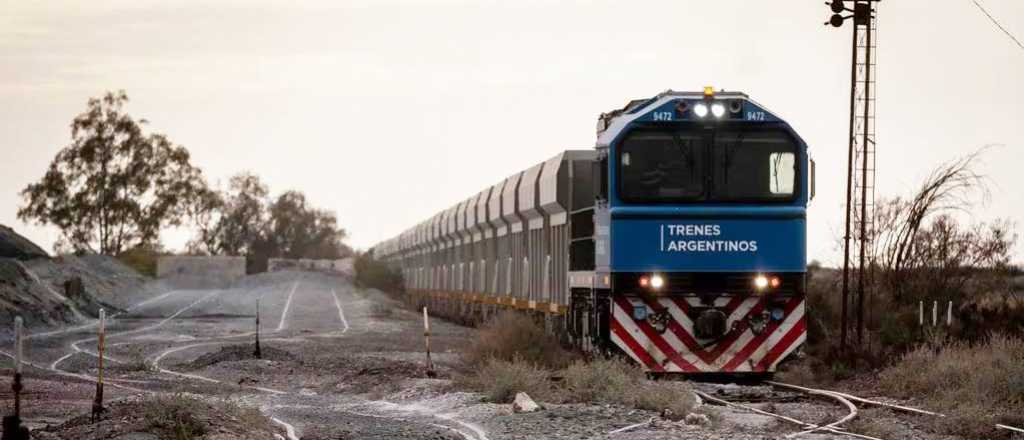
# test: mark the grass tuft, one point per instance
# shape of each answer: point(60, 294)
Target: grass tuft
point(514, 336)
point(978, 384)
point(512, 354)
point(500, 380)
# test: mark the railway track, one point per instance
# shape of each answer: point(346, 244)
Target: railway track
point(846, 400)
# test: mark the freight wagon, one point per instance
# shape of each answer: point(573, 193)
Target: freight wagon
point(679, 240)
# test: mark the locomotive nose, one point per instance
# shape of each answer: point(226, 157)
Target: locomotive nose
point(710, 324)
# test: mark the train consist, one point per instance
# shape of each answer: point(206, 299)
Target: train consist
point(680, 240)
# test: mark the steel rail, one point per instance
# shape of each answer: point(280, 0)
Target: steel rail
point(836, 424)
point(804, 424)
point(857, 399)
point(1009, 428)
point(882, 404)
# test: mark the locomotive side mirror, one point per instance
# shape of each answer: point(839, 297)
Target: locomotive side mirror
point(813, 180)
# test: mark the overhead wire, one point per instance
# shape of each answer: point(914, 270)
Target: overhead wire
point(998, 25)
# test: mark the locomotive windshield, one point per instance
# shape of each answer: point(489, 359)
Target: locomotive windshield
point(723, 165)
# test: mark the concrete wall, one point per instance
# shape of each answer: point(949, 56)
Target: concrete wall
point(201, 271)
point(344, 266)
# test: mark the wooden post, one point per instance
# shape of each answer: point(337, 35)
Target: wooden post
point(18, 353)
point(426, 340)
point(12, 429)
point(258, 353)
point(97, 405)
point(949, 314)
point(935, 313)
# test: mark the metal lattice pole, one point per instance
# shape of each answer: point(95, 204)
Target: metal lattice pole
point(861, 159)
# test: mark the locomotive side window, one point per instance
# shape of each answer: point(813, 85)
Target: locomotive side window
point(782, 173)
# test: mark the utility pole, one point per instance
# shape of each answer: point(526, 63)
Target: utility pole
point(860, 178)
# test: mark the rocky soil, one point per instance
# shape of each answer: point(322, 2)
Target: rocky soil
point(33, 285)
point(338, 363)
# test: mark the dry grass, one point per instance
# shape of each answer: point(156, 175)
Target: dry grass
point(136, 361)
point(512, 354)
point(181, 417)
point(978, 385)
point(617, 382)
point(603, 381)
point(513, 336)
point(500, 380)
point(176, 417)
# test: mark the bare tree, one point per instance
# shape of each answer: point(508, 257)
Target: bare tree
point(920, 245)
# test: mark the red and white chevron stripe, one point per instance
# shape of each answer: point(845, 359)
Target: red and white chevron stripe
point(677, 350)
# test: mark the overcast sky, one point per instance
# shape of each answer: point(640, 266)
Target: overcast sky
point(387, 112)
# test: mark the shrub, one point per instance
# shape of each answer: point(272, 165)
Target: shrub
point(376, 274)
point(618, 382)
point(175, 416)
point(137, 361)
point(500, 380)
point(510, 336)
point(978, 385)
point(182, 417)
point(142, 258)
point(606, 381)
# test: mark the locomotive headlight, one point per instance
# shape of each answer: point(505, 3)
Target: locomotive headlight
point(761, 282)
point(701, 110)
point(657, 282)
point(718, 109)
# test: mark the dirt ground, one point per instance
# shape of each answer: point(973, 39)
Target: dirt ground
point(338, 363)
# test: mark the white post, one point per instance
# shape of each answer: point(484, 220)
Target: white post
point(18, 344)
point(920, 313)
point(100, 342)
point(935, 313)
point(426, 339)
point(949, 314)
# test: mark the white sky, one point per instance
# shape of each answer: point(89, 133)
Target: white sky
point(387, 112)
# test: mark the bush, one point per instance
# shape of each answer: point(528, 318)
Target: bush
point(604, 381)
point(175, 416)
point(376, 274)
point(617, 382)
point(978, 385)
point(142, 258)
point(500, 380)
point(514, 336)
point(137, 361)
point(182, 417)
